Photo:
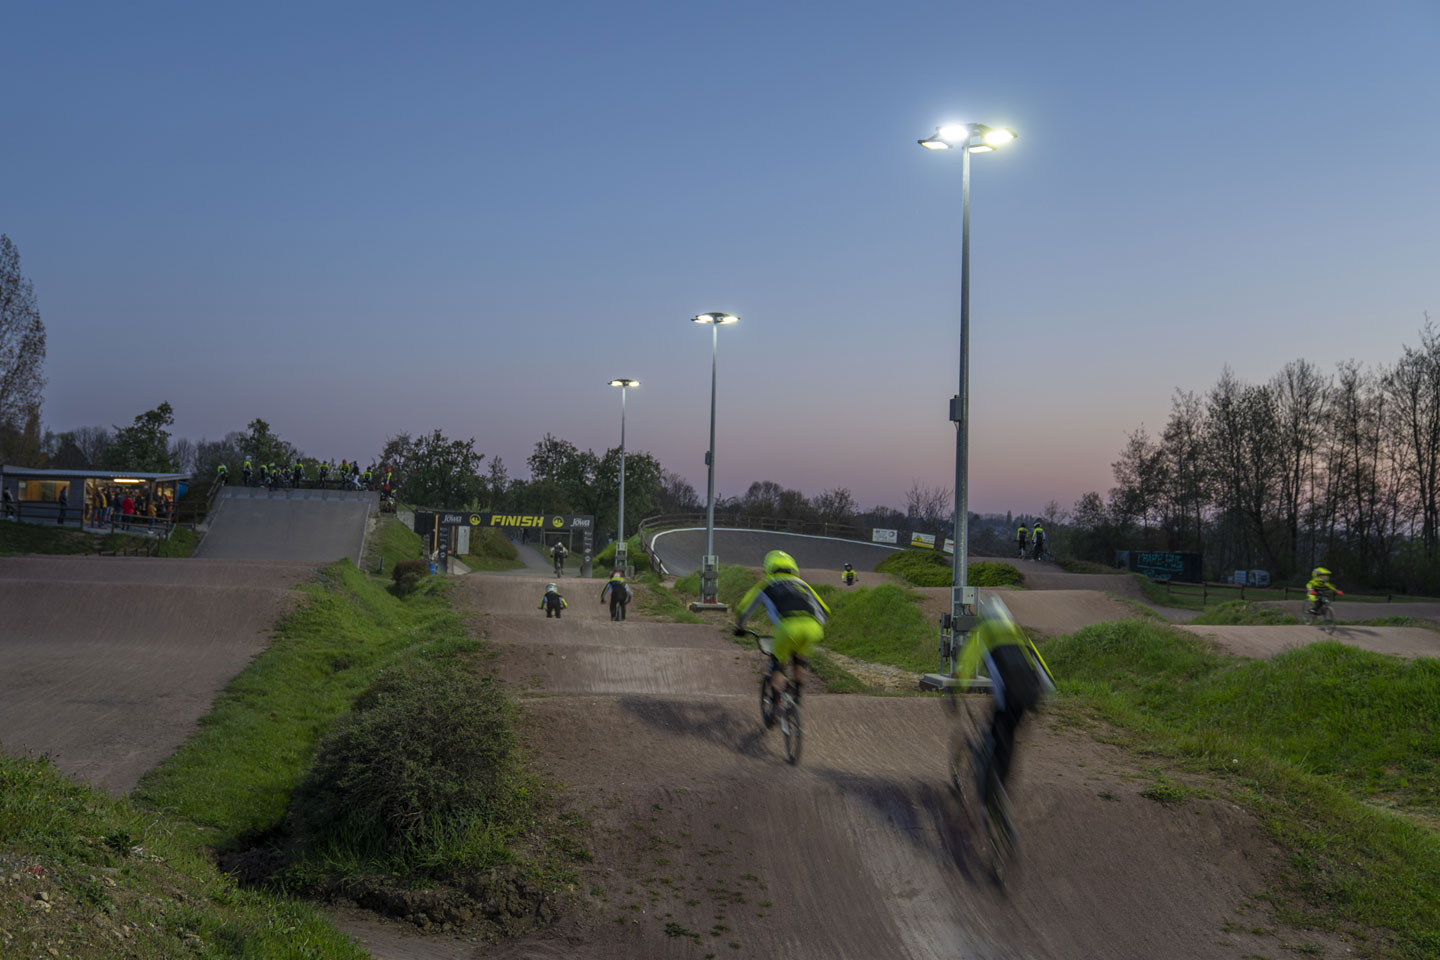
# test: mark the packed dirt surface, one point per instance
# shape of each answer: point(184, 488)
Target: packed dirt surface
point(681, 550)
point(1266, 642)
point(706, 842)
point(108, 663)
point(1049, 612)
point(1363, 611)
point(305, 526)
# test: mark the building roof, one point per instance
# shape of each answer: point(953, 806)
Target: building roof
point(39, 473)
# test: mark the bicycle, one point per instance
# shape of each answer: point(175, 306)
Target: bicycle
point(970, 774)
point(1324, 618)
point(560, 566)
point(849, 578)
point(780, 707)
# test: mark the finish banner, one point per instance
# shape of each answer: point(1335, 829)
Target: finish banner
point(425, 520)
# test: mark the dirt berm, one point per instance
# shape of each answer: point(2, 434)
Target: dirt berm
point(107, 664)
point(706, 842)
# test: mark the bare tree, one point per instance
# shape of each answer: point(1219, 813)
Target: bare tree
point(1300, 392)
point(22, 342)
point(835, 506)
point(183, 455)
point(932, 505)
point(92, 443)
point(1413, 387)
point(1140, 481)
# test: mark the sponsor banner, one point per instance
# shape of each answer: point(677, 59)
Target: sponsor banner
point(550, 522)
point(949, 544)
point(884, 536)
point(925, 541)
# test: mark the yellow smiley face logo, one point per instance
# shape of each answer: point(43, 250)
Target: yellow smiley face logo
point(558, 522)
point(474, 519)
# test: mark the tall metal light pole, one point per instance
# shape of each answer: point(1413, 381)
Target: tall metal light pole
point(621, 549)
point(710, 564)
point(969, 138)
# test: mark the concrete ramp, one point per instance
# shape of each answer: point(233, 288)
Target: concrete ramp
point(297, 526)
point(681, 550)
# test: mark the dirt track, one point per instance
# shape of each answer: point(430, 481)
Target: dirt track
point(1265, 642)
point(108, 663)
point(701, 829)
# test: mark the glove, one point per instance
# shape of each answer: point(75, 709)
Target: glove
point(739, 631)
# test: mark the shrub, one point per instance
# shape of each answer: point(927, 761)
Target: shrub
point(425, 752)
point(492, 544)
point(407, 575)
point(604, 561)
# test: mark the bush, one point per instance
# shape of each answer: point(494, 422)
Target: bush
point(604, 561)
point(424, 752)
point(407, 575)
point(491, 544)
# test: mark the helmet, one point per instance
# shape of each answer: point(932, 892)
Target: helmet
point(993, 608)
point(551, 588)
point(778, 561)
point(1319, 572)
point(847, 563)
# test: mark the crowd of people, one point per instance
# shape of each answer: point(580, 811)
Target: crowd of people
point(322, 474)
point(126, 506)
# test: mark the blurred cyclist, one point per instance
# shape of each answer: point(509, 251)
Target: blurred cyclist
point(1319, 590)
point(1022, 538)
point(1019, 680)
point(796, 611)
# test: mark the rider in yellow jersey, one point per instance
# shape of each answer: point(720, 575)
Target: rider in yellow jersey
point(1019, 680)
point(796, 611)
point(1320, 588)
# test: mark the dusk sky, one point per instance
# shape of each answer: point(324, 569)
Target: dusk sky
point(356, 219)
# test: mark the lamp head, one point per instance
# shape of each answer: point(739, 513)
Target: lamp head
point(715, 318)
point(625, 382)
point(978, 137)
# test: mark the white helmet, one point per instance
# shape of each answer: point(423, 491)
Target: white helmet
point(551, 588)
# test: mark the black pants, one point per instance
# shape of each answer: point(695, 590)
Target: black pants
point(1017, 689)
point(552, 608)
point(617, 606)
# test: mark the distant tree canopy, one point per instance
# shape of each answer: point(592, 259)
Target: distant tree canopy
point(1305, 469)
point(22, 354)
point(435, 470)
point(144, 446)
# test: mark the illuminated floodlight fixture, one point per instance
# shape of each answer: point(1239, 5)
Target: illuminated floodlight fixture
point(978, 137)
point(715, 318)
point(624, 382)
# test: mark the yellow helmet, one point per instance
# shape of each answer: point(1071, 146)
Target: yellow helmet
point(1319, 572)
point(778, 561)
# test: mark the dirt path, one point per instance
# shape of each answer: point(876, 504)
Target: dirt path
point(1271, 641)
point(707, 843)
point(108, 664)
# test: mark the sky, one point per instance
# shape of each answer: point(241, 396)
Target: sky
point(357, 219)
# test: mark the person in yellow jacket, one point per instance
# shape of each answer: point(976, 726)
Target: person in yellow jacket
point(1320, 589)
point(1022, 538)
point(796, 612)
point(1019, 679)
point(619, 592)
point(1037, 542)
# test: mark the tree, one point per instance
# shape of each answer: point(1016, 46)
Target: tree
point(144, 446)
point(929, 505)
point(442, 472)
point(264, 446)
point(1140, 482)
point(676, 495)
point(836, 505)
point(22, 345)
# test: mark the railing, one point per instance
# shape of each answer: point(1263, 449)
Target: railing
point(821, 528)
point(1261, 593)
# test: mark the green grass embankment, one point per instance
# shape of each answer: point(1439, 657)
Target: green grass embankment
point(932, 568)
point(604, 561)
point(1244, 613)
point(19, 539)
point(491, 550)
point(1334, 748)
point(392, 540)
point(88, 876)
point(235, 776)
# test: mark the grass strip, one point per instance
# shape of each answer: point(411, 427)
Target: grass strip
point(1242, 613)
point(89, 876)
point(931, 568)
point(237, 774)
point(1333, 747)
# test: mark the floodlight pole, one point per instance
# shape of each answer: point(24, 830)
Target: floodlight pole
point(622, 549)
point(960, 405)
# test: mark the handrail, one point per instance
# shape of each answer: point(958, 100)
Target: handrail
point(1219, 585)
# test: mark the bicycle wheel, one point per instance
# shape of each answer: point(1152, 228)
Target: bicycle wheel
point(767, 701)
point(1327, 619)
point(790, 726)
point(1000, 831)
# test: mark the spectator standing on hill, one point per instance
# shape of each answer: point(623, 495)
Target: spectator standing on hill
point(127, 511)
point(1037, 537)
point(247, 471)
point(1022, 537)
point(324, 474)
point(221, 472)
point(64, 501)
point(9, 500)
point(299, 475)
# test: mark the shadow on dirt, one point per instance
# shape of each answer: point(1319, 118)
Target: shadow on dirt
point(712, 722)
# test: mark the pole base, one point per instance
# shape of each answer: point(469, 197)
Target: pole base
point(939, 681)
point(697, 606)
